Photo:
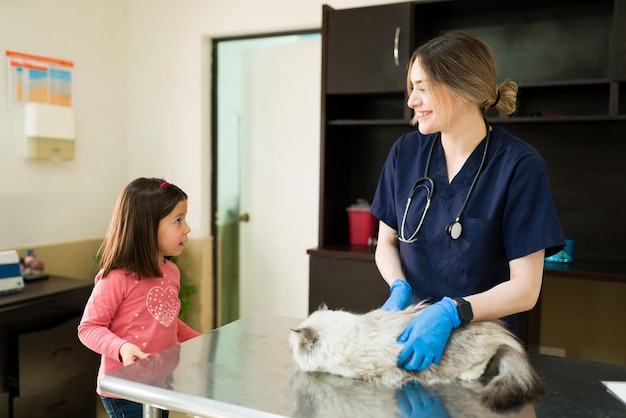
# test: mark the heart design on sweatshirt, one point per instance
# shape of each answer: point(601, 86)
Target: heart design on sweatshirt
point(163, 304)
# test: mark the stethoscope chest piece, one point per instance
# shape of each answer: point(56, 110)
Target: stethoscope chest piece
point(454, 229)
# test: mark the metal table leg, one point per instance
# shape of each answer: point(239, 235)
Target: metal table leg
point(150, 411)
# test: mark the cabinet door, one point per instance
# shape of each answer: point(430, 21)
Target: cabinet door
point(4, 354)
point(48, 357)
point(4, 362)
point(55, 375)
point(367, 49)
point(339, 283)
point(620, 41)
point(73, 397)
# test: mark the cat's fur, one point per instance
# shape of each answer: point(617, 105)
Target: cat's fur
point(364, 347)
point(323, 395)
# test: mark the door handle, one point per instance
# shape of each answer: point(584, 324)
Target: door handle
point(244, 217)
point(396, 47)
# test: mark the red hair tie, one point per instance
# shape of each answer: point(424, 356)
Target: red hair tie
point(164, 184)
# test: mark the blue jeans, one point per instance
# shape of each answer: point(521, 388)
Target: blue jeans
point(122, 408)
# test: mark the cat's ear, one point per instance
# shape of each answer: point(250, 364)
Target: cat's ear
point(322, 307)
point(308, 337)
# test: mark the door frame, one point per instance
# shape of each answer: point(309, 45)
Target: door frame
point(214, 150)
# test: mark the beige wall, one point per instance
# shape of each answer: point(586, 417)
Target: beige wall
point(72, 259)
point(195, 264)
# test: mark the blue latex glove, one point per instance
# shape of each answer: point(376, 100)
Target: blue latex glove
point(427, 335)
point(416, 401)
point(400, 298)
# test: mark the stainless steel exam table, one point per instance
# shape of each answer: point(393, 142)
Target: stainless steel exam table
point(245, 369)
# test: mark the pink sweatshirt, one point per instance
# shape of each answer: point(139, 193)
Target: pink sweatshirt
point(144, 312)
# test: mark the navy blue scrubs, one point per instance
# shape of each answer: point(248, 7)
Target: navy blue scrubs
point(510, 214)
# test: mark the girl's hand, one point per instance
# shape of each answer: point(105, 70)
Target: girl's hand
point(130, 353)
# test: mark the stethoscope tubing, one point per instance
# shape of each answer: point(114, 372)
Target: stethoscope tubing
point(429, 194)
point(430, 189)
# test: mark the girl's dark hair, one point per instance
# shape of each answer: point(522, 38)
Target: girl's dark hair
point(131, 242)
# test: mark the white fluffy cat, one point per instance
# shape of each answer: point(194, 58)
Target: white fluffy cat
point(364, 347)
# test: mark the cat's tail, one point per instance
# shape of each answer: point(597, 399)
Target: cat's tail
point(514, 381)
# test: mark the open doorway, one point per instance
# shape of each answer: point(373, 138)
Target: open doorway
point(265, 172)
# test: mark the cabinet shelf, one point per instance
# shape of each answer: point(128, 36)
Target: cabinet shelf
point(598, 270)
point(555, 119)
point(371, 122)
point(576, 100)
point(589, 269)
point(351, 252)
point(565, 83)
point(492, 119)
point(535, 41)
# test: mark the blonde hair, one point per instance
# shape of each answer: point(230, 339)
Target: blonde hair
point(468, 67)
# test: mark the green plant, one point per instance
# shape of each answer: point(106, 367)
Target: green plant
point(187, 289)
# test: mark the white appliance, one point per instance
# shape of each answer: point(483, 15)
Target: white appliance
point(11, 279)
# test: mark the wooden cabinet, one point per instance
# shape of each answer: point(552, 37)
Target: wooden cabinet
point(350, 281)
point(384, 32)
point(45, 371)
point(569, 59)
point(363, 105)
point(53, 374)
point(4, 366)
point(365, 57)
point(567, 56)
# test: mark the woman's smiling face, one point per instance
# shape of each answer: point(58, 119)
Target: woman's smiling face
point(434, 106)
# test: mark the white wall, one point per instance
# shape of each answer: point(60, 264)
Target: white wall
point(169, 96)
point(142, 102)
point(45, 202)
point(169, 79)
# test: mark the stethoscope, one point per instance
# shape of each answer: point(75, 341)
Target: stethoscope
point(454, 229)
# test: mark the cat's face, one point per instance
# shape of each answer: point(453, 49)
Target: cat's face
point(313, 340)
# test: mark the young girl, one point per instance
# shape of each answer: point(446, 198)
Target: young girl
point(133, 309)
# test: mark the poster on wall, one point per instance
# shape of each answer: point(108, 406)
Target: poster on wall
point(33, 78)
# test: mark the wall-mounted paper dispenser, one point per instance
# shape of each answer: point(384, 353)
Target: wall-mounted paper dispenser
point(49, 132)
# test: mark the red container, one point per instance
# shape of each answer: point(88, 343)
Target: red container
point(362, 225)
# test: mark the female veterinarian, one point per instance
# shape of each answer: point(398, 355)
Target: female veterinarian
point(465, 208)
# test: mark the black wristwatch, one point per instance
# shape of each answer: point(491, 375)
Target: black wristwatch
point(465, 310)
